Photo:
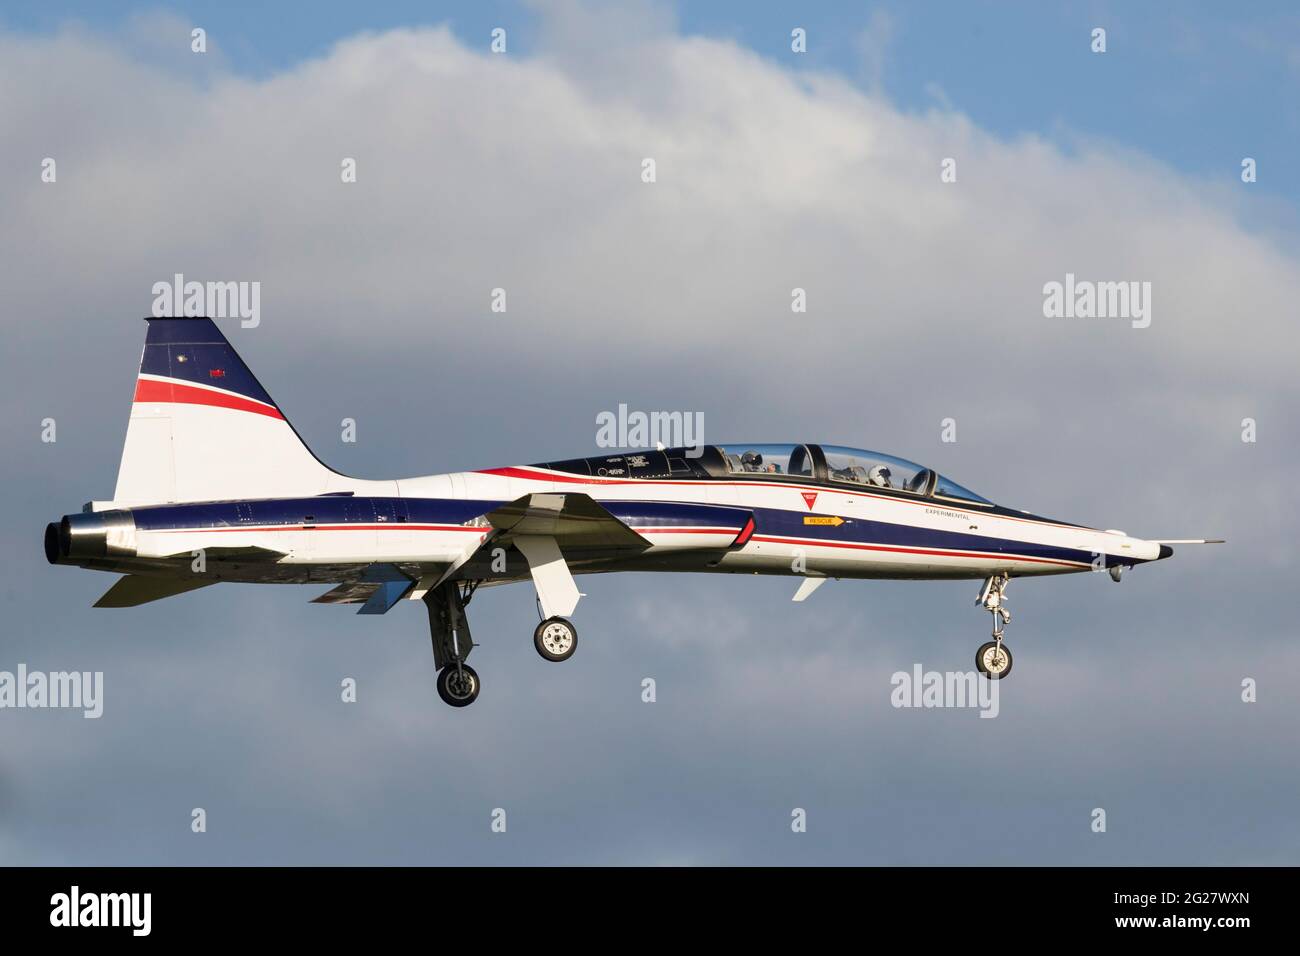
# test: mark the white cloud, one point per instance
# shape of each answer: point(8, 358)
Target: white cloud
point(478, 169)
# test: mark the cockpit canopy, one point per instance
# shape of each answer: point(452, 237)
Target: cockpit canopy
point(767, 460)
point(818, 464)
point(850, 466)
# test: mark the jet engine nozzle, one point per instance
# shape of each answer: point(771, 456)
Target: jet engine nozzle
point(100, 534)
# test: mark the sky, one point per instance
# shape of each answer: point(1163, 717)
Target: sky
point(774, 170)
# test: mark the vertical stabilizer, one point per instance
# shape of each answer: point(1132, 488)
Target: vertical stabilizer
point(204, 429)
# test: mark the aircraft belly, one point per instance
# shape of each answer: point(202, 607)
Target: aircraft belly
point(756, 559)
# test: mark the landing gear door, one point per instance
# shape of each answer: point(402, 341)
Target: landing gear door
point(557, 592)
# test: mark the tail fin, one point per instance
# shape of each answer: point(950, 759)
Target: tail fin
point(203, 429)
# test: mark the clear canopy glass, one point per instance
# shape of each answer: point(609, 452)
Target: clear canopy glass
point(762, 459)
point(947, 488)
point(873, 469)
point(856, 466)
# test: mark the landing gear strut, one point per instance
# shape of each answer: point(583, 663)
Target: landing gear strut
point(458, 683)
point(994, 658)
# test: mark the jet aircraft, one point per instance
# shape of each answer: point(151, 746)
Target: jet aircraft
point(215, 485)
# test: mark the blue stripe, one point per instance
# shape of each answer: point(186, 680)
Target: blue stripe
point(194, 350)
point(641, 514)
point(341, 510)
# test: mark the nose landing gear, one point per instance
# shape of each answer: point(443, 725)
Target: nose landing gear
point(993, 659)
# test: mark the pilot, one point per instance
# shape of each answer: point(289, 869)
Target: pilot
point(751, 461)
point(879, 476)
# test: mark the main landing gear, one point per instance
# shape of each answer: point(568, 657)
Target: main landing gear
point(994, 658)
point(458, 684)
point(556, 639)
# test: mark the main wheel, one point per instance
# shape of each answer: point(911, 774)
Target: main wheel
point(555, 639)
point(458, 686)
point(994, 660)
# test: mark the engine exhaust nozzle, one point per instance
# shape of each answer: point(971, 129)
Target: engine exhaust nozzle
point(100, 534)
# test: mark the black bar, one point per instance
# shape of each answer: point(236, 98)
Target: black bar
point(924, 905)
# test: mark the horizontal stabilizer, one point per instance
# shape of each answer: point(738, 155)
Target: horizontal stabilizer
point(136, 589)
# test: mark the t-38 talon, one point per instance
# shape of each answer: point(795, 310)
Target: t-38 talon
point(212, 467)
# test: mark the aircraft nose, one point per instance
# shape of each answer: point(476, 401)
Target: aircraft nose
point(1165, 552)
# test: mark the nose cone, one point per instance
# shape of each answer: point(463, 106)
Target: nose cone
point(1165, 552)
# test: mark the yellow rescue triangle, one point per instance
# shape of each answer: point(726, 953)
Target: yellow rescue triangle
point(835, 521)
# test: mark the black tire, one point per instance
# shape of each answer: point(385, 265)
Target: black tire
point(458, 687)
point(552, 646)
point(983, 669)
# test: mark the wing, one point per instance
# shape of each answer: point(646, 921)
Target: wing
point(541, 536)
point(349, 592)
point(577, 523)
point(543, 527)
point(553, 532)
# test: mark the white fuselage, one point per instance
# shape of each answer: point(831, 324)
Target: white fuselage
point(844, 532)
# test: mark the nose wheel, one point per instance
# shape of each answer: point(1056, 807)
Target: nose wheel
point(993, 659)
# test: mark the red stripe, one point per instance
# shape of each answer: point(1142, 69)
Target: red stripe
point(394, 526)
point(541, 476)
point(150, 390)
point(685, 530)
point(942, 554)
